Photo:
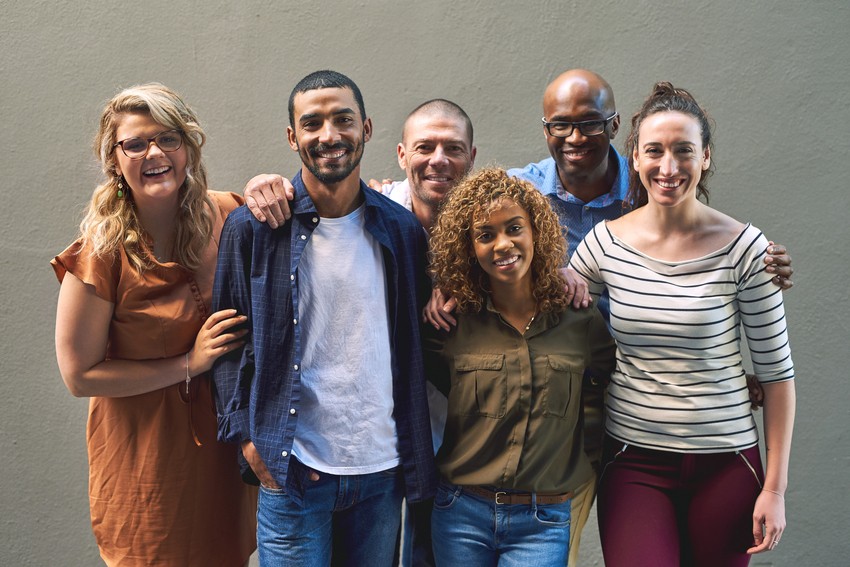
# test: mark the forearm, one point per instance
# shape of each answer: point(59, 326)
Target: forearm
point(120, 378)
point(779, 411)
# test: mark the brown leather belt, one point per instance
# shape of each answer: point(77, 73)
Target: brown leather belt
point(500, 497)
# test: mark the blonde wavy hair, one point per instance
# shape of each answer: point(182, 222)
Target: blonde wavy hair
point(452, 257)
point(110, 221)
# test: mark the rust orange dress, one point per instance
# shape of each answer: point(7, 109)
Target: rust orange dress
point(162, 490)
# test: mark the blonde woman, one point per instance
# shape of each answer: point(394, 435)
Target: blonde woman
point(512, 370)
point(134, 332)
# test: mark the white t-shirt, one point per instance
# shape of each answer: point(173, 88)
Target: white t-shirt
point(345, 425)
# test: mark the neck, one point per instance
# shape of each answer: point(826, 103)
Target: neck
point(588, 187)
point(336, 199)
point(683, 218)
point(515, 303)
point(426, 214)
point(159, 221)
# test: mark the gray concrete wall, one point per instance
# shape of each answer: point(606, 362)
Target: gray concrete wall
point(774, 75)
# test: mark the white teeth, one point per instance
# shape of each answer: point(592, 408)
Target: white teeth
point(332, 155)
point(669, 184)
point(506, 261)
point(157, 170)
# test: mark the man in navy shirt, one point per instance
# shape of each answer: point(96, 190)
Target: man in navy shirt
point(327, 398)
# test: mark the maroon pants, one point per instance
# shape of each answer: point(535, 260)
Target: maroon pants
point(659, 508)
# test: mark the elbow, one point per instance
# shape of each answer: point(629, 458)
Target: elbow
point(75, 385)
point(75, 380)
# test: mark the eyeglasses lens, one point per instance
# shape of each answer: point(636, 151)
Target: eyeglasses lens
point(166, 141)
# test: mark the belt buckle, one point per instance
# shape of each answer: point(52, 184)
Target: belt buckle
point(497, 497)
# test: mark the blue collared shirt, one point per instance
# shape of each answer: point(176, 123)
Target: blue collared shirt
point(258, 387)
point(574, 214)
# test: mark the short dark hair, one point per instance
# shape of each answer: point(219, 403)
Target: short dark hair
point(666, 98)
point(440, 106)
point(325, 79)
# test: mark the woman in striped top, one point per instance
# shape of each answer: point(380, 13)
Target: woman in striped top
point(683, 481)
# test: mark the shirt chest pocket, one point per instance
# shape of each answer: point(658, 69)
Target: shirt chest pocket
point(480, 386)
point(563, 380)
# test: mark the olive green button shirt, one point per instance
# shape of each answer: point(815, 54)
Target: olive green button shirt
point(514, 399)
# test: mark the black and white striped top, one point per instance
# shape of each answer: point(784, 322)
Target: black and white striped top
point(679, 384)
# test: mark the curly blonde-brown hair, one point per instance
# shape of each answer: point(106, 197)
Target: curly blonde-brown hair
point(110, 221)
point(451, 253)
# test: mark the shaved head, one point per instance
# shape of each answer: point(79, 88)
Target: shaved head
point(575, 97)
point(442, 108)
point(579, 83)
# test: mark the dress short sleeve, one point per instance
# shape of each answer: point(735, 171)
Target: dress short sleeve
point(100, 273)
point(226, 201)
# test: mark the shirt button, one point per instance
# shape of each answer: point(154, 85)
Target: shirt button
point(303, 237)
point(315, 219)
point(284, 454)
point(292, 411)
point(295, 321)
point(295, 366)
point(292, 277)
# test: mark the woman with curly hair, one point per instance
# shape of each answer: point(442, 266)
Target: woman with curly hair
point(134, 331)
point(682, 480)
point(512, 370)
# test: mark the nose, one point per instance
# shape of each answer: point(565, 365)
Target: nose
point(438, 156)
point(668, 165)
point(503, 242)
point(153, 149)
point(329, 134)
point(576, 137)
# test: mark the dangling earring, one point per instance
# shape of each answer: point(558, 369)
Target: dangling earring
point(120, 187)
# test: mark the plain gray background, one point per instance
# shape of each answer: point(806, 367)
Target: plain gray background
point(774, 75)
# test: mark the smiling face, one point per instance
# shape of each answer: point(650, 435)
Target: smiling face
point(328, 133)
point(503, 244)
point(157, 175)
point(669, 157)
point(436, 152)
point(579, 96)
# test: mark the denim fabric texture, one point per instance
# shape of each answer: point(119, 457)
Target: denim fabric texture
point(471, 531)
point(346, 521)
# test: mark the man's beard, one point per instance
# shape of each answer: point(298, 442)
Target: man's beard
point(331, 176)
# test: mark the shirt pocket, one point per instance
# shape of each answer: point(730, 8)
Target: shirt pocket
point(481, 385)
point(563, 379)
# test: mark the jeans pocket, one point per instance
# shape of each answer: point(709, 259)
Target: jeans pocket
point(554, 514)
point(446, 496)
point(272, 491)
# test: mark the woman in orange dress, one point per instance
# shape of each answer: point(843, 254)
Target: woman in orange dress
point(134, 332)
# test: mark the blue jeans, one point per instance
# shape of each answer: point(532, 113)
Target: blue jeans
point(471, 531)
point(345, 520)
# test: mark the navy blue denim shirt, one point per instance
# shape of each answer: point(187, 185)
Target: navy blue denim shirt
point(258, 387)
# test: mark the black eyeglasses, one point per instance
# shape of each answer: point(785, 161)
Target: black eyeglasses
point(562, 129)
point(137, 148)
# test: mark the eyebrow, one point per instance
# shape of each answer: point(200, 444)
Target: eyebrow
point(431, 141)
point(509, 221)
point(594, 118)
point(312, 115)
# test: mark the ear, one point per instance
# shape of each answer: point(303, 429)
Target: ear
point(290, 137)
point(615, 127)
point(472, 154)
point(706, 159)
point(367, 130)
point(635, 159)
point(402, 156)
